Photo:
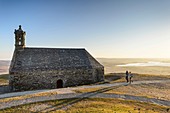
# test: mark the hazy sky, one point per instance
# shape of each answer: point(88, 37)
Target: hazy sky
point(106, 28)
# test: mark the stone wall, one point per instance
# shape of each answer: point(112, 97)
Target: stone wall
point(44, 68)
point(48, 79)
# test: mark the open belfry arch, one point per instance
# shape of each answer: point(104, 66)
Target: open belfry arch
point(19, 37)
point(47, 68)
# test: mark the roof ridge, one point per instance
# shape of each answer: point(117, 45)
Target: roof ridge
point(53, 48)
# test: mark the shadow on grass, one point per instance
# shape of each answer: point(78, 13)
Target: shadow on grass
point(67, 103)
point(112, 77)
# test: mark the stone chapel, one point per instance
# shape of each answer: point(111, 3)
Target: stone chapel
point(47, 68)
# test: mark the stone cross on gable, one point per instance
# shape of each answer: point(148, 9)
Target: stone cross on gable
point(19, 37)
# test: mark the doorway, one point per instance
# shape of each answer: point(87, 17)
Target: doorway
point(59, 83)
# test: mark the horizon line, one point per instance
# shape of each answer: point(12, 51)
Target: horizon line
point(109, 58)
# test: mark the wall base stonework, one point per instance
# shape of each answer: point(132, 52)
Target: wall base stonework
point(48, 79)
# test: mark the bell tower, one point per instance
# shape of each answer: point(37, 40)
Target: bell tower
point(19, 38)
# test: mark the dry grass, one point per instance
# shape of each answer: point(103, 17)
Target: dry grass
point(155, 90)
point(120, 77)
point(159, 90)
point(114, 77)
point(28, 96)
point(97, 105)
point(4, 79)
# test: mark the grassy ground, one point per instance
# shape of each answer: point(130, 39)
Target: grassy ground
point(41, 94)
point(159, 90)
point(103, 105)
point(156, 90)
point(4, 79)
point(120, 77)
point(97, 105)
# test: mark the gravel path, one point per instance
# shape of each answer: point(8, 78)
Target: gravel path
point(66, 93)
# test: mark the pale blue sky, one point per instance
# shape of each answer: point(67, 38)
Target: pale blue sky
point(106, 28)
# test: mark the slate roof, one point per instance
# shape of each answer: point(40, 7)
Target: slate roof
point(29, 59)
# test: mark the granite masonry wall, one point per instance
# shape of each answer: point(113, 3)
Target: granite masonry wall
point(48, 79)
point(42, 68)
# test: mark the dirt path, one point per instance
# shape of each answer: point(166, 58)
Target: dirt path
point(66, 93)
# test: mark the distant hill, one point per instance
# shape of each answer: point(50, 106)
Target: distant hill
point(4, 66)
point(111, 65)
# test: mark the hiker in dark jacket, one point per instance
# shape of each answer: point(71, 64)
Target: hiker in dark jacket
point(127, 74)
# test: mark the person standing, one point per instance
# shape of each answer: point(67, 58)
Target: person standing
point(130, 77)
point(127, 78)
